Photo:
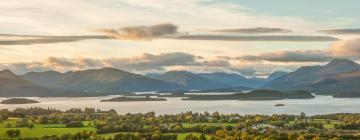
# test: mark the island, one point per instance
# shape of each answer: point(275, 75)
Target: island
point(133, 99)
point(18, 101)
point(256, 95)
point(347, 95)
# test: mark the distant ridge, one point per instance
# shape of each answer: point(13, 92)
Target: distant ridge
point(104, 80)
point(233, 80)
point(190, 80)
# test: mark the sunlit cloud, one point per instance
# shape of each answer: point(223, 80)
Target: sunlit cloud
point(141, 32)
point(346, 49)
point(290, 56)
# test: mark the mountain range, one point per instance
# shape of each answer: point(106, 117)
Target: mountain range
point(339, 75)
point(105, 80)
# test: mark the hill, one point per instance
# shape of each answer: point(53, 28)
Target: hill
point(342, 83)
point(12, 85)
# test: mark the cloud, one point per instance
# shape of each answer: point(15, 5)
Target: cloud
point(21, 68)
point(290, 56)
point(77, 63)
point(346, 48)
point(148, 61)
point(9, 39)
point(217, 62)
point(349, 49)
point(342, 31)
point(166, 30)
point(264, 70)
point(125, 33)
point(249, 65)
point(258, 30)
point(141, 63)
point(141, 32)
point(255, 38)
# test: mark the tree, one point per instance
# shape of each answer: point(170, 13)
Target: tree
point(13, 133)
point(300, 138)
point(318, 138)
point(302, 115)
point(202, 137)
point(191, 137)
point(220, 133)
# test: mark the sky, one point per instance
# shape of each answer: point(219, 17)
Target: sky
point(250, 37)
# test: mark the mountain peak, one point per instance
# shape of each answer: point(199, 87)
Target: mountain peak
point(342, 62)
point(109, 69)
point(6, 73)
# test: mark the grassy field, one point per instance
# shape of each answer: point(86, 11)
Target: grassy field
point(327, 125)
point(181, 136)
point(41, 129)
point(60, 129)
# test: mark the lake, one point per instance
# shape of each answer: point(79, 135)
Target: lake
point(318, 105)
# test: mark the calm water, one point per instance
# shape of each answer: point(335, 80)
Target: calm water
point(319, 105)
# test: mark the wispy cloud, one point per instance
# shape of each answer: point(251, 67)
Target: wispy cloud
point(255, 38)
point(164, 31)
point(258, 30)
point(342, 31)
point(10, 39)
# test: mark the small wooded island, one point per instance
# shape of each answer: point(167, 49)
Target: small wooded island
point(278, 105)
point(256, 95)
point(133, 99)
point(18, 101)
